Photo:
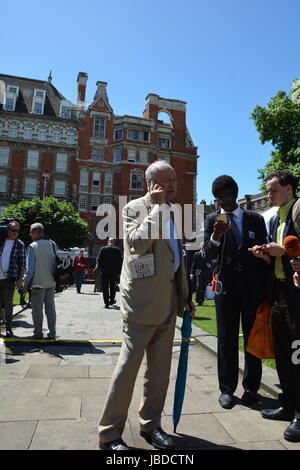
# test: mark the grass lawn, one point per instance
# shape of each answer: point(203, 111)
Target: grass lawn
point(205, 319)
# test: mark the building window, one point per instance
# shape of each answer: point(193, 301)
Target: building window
point(13, 131)
point(96, 182)
point(65, 111)
point(28, 133)
point(61, 162)
point(42, 134)
point(3, 183)
point(56, 136)
point(9, 104)
point(107, 200)
point(143, 156)
point(135, 134)
point(98, 155)
point(37, 108)
point(39, 93)
point(82, 203)
point(71, 138)
point(118, 134)
point(12, 89)
point(4, 153)
point(164, 158)
point(84, 180)
point(163, 142)
point(95, 203)
point(136, 181)
point(117, 155)
point(108, 183)
point(99, 127)
point(33, 159)
point(30, 186)
point(59, 188)
point(1, 128)
point(131, 155)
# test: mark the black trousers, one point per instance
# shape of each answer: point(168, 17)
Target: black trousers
point(286, 330)
point(7, 288)
point(109, 289)
point(239, 304)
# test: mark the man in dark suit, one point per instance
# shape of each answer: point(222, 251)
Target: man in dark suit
point(110, 263)
point(282, 186)
point(200, 275)
point(229, 232)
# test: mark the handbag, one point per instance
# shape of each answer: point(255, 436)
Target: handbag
point(260, 342)
point(61, 273)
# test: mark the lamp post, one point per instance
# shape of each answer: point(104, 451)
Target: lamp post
point(45, 184)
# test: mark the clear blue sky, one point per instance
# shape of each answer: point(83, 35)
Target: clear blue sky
point(223, 57)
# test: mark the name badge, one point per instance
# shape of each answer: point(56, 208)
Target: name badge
point(142, 267)
point(251, 234)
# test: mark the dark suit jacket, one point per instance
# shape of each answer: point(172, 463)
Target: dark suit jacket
point(110, 261)
point(293, 297)
point(256, 271)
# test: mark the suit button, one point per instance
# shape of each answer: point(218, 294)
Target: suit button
point(173, 261)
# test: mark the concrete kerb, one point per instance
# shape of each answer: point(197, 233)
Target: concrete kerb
point(209, 342)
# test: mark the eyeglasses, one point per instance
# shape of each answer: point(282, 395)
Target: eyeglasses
point(14, 230)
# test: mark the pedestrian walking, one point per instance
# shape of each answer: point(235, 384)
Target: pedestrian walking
point(80, 267)
point(109, 263)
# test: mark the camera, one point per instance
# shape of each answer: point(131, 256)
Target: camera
point(3, 229)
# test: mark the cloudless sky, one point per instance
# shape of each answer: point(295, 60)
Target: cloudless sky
point(223, 57)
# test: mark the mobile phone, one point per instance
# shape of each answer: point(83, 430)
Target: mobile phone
point(222, 218)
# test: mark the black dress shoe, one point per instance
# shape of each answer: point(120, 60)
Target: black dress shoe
point(279, 414)
point(226, 400)
point(118, 444)
point(292, 433)
point(249, 398)
point(158, 438)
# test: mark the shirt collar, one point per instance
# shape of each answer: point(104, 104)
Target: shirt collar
point(284, 210)
point(237, 212)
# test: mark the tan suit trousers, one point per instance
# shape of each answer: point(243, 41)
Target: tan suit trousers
point(156, 341)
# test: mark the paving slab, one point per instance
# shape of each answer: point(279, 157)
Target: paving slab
point(17, 388)
point(55, 372)
point(249, 426)
point(39, 408)
point(16, 435)
point(89, 386)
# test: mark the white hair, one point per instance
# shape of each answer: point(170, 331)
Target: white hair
point(37, 227)
point(151, 171)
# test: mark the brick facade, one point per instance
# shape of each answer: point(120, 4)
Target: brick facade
point(87, 154)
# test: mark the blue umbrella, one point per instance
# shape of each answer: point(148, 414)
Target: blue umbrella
point(186, 331)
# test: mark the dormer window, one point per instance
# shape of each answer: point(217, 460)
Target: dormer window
point(38, 102)
point(10, 98)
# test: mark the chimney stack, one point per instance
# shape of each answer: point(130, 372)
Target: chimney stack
point(81, 87)
point(101, 91)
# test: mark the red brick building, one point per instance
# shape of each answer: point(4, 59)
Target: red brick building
point(87, 154)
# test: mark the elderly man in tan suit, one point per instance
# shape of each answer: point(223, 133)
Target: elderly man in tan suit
point(154, 290)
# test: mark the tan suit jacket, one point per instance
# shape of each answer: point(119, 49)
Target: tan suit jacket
point(147, 301)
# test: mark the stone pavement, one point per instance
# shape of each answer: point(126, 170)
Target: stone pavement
point(52, 393)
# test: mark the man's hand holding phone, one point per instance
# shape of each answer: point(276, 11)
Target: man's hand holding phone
point(220, 227)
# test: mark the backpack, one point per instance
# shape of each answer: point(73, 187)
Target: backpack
point(61, 273)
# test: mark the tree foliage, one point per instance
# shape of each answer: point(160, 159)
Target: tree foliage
point(279, 123)
point(61, 222)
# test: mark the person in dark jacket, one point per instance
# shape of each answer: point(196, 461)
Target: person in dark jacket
point(200, 275)
point(285, 300)
point(12, 269)
point(110, 263)
point(229, 233)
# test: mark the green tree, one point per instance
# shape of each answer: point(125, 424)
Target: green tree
point(279, 123)
point(61, 222)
